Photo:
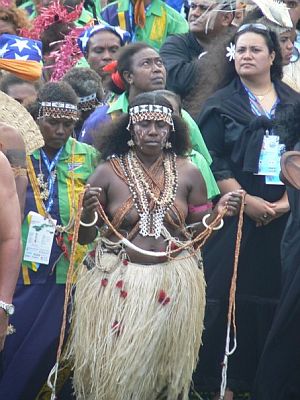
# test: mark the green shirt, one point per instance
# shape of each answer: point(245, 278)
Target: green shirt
point(161, 21)
point(76, 163)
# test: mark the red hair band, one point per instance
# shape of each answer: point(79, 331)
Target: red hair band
point(111, 68)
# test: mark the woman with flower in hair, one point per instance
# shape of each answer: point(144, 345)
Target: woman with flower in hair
point(57, 174)
point(140, 296)
point(237, 126)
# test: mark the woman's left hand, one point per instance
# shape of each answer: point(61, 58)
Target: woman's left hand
point(231, 201)
point(280, 207)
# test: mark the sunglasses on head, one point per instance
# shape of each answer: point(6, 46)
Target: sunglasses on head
point(244, 27)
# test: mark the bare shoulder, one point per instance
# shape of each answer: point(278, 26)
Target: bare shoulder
point(102, 175)
point(185, 166)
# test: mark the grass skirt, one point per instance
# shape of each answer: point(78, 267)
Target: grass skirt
point(137, 328)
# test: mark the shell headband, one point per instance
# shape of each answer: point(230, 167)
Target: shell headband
point(58, 109)
point(150, 112)
point(87, 103)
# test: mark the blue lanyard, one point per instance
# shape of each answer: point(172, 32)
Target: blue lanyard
point(51, 178)
point(256, 107)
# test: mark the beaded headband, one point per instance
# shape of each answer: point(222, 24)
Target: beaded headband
point(58, 109)
point(87, 103)
point(150, 112)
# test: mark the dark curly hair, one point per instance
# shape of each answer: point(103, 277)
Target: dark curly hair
point(125, 55)
point(84, 81)
point(53, 91)
point(11, 79)
point(113, 136)
point(272, 44)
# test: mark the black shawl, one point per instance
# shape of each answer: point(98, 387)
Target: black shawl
point(231, 108)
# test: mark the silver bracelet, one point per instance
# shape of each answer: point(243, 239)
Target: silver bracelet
point(89, 224)
point(208, 226)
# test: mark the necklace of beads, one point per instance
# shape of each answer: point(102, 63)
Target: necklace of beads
point(151, 220)
point(43, 184)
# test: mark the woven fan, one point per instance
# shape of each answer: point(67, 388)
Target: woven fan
point(275, 11)
point(14, 114)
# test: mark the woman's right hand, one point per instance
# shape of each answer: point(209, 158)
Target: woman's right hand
point(258, 209)
point(91, 199)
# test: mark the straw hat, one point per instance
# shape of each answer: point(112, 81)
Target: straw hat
point(14, 114)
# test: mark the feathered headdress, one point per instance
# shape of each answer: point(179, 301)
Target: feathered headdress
point(21, 56)
point(275, 11)
point(68, 55)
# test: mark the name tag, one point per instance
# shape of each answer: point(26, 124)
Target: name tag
point(40, 238)
point(269, 159)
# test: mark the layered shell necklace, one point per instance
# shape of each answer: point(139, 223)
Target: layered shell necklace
point(150, 207)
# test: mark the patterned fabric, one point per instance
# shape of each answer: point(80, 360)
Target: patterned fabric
point(21, 56)
point(13, 47)
point(88, 33)
point(150, 112)
point(161, 21)
point(58, 109)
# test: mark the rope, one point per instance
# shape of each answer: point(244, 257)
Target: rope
point(199, 240)
point(231, 308)
point(54, 371)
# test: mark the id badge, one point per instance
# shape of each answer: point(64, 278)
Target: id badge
point(274, 179)
point(269, 159)
point(40, 239)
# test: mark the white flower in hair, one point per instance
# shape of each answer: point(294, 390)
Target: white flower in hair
point(230, 51)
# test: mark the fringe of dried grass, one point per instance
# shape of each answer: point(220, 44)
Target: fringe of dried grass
point(128, 345)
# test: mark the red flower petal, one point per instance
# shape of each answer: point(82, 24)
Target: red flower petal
point(174, 246)
point(166, 301)
point(115, 324)
point(104, 282)
point(123, 294)
point(125, 262)
point(120, 284)
point(161, 296)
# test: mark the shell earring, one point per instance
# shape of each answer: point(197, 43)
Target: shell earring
point(168, 145)
point(130, 143)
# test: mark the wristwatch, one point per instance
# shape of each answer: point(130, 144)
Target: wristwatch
point(8, 308)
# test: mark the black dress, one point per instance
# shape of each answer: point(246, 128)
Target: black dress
point(234, 137)
point(278, 375)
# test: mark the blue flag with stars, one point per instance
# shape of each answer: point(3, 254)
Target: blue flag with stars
point(14, 47)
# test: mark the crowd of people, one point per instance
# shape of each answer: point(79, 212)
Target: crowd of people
point(149, 199)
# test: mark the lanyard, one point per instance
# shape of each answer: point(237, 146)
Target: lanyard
point(257, 108)
point(51, 177)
